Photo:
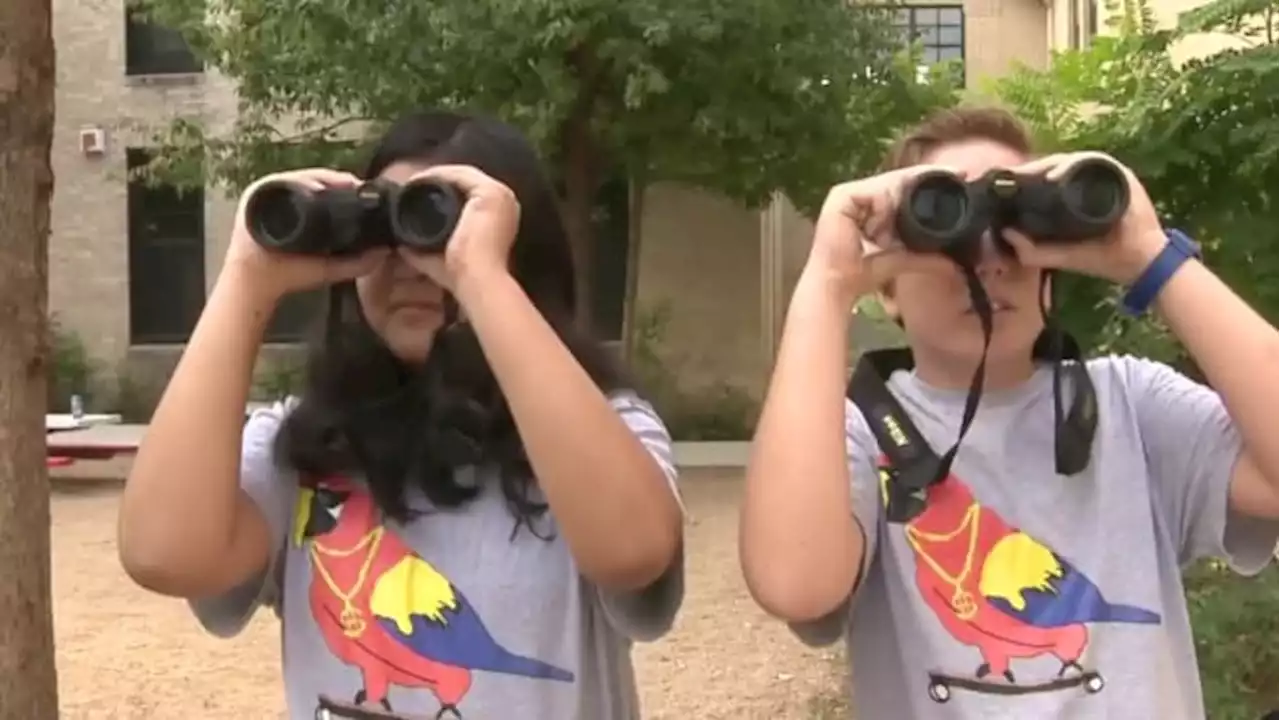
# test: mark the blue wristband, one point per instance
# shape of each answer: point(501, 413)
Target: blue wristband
point(1144, 290)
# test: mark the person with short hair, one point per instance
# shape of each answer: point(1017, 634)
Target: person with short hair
point(1007, 587)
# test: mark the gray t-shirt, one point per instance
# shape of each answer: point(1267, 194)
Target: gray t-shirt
point(449, 616)
point(1059, 596)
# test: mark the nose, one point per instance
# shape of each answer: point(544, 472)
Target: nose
point(992, 261)
point(401, 270)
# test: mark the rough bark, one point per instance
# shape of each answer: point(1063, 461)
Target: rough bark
point(635, 228)
point(28, 680)
point(579, 199)
point(580, 172)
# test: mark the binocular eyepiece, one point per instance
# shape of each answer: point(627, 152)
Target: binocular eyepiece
point(286, 216)
point(941, 212)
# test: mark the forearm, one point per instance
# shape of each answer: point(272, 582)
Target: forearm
point(1237, 351)
point(609, 497)
point(801, 549)
point(190, 457)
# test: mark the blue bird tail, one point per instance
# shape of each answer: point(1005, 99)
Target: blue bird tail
point(463, 641)
point(1127, 614)
point(512, 664)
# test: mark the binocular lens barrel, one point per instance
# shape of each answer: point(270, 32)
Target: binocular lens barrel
point(425, 214)
point(936, 208)
point(290, 217)
point(1096, 191)
point(277, 214)
point(942, 212)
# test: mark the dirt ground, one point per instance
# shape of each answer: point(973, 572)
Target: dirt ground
point(124, 653)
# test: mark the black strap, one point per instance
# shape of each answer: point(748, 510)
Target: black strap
point(915, 464)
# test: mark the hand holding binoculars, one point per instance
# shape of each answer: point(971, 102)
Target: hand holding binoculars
point(941, 212)
point(285, 216)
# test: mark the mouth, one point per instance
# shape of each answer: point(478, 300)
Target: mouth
point(422, 306)
point(997, 307)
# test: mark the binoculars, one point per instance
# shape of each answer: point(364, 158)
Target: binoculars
point(286, 216)
point(940, 212)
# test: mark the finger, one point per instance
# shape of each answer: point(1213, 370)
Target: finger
point(413, 255)
point(1031, 254)
point(1075, 159)
point(1041, 166)
point(330, 177)
point(466, 178)
point(883, 266)
point(314, 178)
point(426, 262)
point(839, 222)
point(1023, 246)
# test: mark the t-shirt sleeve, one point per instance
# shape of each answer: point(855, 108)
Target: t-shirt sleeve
point(861, 452)
point(226, 615)
point(648, 614)
point(1191, 447)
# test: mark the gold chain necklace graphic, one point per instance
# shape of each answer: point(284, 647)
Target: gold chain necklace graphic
point(962, 601)
point(351, 618)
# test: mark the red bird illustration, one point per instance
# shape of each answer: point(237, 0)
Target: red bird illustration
point(385, 611)
point(999, 590)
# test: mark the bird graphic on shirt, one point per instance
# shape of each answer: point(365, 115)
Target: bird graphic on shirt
point(388, 613)
point(998, 589)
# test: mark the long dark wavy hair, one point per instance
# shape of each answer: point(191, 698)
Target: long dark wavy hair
point(363, 411)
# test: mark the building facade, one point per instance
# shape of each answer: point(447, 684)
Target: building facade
point(130, 265)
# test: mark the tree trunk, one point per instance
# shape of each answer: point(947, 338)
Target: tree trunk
point(28, 679)
point(635, 226)
point(579, 201)
point(580, 168)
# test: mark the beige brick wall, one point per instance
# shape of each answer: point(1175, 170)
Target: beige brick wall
point(1002, 33)
point(701, 254)
point(88, 248)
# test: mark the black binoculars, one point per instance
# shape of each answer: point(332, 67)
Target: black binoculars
point(940, 212)
point(286, 216)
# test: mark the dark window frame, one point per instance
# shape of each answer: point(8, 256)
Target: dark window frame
point(930, 25)
point(1091, 20)
point(152, 49)
point(166, 241)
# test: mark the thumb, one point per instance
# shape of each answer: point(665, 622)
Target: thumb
point(883, 265)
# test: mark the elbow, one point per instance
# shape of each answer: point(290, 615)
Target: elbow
point(793, 601)
point(789, 591)
point(162, 564)
point(633, 567)
point(150, 570)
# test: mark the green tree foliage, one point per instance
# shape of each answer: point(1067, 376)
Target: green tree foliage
point(740, 96)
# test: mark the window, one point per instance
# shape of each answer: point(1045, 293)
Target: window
point(152, 49)
point(939, 30)
point(166, 258)
point(1090, 21)
point(1073, 24)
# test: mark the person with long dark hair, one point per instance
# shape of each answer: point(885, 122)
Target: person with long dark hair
point(467, 512)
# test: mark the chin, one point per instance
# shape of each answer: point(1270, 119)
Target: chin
point(412, 350)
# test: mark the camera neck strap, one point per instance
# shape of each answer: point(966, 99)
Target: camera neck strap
point(915, 465)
